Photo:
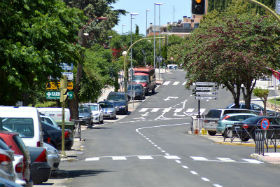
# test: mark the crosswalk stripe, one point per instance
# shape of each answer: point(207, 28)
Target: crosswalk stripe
point(143, 109)
point(155, 109)
point(166, 110)
point(166, 83)
point(145, 157)
point(190, 110)
point(119, 158)
point(178, 110)
point(198, 158)
point(225, 159)
point(176, 83)
point(184, 83)
point(253, 161)
point(202, 110)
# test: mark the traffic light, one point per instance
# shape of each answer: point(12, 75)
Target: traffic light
point(198, 7)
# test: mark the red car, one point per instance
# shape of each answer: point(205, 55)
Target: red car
point(17, 145)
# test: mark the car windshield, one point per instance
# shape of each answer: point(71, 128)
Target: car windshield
point(84, 110)
point(213, 114)
point(23, 126)
point(140, 78)
point(106, 105)
point(93, 107)
point(134, 87)
point(116, 97)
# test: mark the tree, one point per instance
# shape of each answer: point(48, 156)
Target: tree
point(35, 37)
point(262, 94)
point(234, 50)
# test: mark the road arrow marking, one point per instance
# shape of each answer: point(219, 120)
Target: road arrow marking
point(170, 97)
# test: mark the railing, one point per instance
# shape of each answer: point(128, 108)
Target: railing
point(269, 139)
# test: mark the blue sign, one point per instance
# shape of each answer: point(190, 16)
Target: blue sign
point(66, 66)
point(265, 124)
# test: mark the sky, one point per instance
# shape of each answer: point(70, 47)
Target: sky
point(170, 11)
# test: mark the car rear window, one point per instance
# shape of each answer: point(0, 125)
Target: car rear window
point(239, 117)
point(213, 114)
point(23, 126)
point(237, 111)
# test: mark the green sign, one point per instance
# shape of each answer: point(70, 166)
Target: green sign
point(56, 94)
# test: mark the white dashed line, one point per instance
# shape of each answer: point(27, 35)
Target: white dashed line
point(145, 157)
point(92, 159)
point(190, 110)
point(155, 110)
point(143, 109)
point(193, 172)
point(225, 159)
point(178, 161)
point(172, 157)
point(119, 158)
point(217, 185)
point(185, 167)
point(253, 161)
point(197, 158)
point(166, 83)
point(205, 179)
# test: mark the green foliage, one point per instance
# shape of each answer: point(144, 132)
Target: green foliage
point(35, 37)
point(234, 49)
point(261, 93)
point(47, 104)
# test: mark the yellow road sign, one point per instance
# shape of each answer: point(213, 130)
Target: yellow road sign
point(56, 85)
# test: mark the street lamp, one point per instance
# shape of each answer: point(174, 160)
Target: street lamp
point(158, 4)
point(147, 10)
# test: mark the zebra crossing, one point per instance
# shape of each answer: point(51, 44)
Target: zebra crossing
point(172, 157)
point(175, 110)
point(174, 83)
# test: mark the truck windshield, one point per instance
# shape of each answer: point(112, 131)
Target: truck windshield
point(134, 87)
point(140, 78)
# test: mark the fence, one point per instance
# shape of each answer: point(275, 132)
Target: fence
point(266, 140)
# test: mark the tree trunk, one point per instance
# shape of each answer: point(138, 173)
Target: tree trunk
point(235, 91)
point(247, 91)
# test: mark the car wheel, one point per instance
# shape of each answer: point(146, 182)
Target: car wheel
point(228, 133)
point(212, 133)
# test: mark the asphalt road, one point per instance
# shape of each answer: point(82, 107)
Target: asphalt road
point(151, 148)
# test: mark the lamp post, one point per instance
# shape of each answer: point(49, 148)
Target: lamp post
point(124, 53)
point(123, 25)
point(157, 4)
point(147, 10)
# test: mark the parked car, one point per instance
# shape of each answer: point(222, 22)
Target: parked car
point(40, 169)
point(23, 120)
point(53, 156)
point(257, 108)
point(22, 157)
point(85, 115)
point(49, 120)
point(56, 113)
point(109, 110)
point(225, 123)
point(120, 100)
point(135, 91)
point(211, 119)
point(6, 162)
point(246, 129)
point(96, 112)
point(53, 135)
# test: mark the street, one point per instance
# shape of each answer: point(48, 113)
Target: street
point(151, 147)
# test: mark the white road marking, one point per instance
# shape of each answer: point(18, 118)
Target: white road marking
point(166, 83)
point(190, 110)
point(171, 157)
point(145, 157)
point(225, 159)
point(178, 110)
point(185, 167)
point(166, 110)
point(119, 158)
point(143, 109)
point(146, 114)
point(178, 161)
point(197, 158)
point(176, 83)
point(202, 110)
point(217, 185)
point(253, 161)
point(155, 109)
point(184, 83)
point(92, 159)
point(193, 172)
point(205, 179)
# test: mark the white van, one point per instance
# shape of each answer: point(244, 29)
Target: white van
point(55, 113)
point(25, 121)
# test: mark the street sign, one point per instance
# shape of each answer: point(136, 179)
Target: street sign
point(205, 93)
point(277, 6)
point(66, 66)
point(265, 124)
point(205, 88)
point(205, 84)
point(56, 94)
point(205, 98)
point(69, 75)
point(56, 85)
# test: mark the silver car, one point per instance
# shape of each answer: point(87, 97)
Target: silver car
point(6, 162)
point(53, 156)
point(109, 110)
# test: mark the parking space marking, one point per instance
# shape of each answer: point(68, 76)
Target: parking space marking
point(143, 109)
point(155, 109)
point(178, 110)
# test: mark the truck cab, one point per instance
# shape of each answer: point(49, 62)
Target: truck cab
point(146, 77)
